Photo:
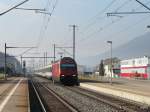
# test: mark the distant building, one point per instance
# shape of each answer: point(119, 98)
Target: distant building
point(136, 68)
point(115, 67)
point(107, 67)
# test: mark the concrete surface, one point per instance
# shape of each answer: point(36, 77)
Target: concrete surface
point(136, 90)
point(14, 95)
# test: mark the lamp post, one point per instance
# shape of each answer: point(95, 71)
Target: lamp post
point(110, 42)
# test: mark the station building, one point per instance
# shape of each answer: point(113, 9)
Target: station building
point(136, 68)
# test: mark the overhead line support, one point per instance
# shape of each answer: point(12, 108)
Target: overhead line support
point(115, 13)
point(38, 57)
point(143, 4)
point(13, 7)
point(145, 12)
point(30, 9)
point(74, 40)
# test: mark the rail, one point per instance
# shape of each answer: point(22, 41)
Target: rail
point(38, 96)
point(52, 94)
point(119, 104)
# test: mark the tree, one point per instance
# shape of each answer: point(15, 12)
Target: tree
point(101, 69)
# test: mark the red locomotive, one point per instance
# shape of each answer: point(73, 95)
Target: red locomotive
point(65, 71)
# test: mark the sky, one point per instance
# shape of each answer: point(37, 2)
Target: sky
point(94, 27)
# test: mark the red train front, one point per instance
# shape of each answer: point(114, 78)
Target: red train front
point(65, 71)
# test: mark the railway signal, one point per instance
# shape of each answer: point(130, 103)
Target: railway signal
point(24, 67)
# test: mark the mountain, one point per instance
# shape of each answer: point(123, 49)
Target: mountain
point(11, 61)
point(137, 47)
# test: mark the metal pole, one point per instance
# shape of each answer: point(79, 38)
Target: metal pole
point(46, 58)
point(5, 69)
point(21, 63)
point(74, 41)
point(74, 32)
point(54, 52)
point(111, 63)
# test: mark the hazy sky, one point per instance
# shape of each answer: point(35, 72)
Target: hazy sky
point(27, 28)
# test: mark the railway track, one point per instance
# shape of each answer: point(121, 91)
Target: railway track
point(121, 104)
point(51, 101)
point(88, 101)
point(36, 103)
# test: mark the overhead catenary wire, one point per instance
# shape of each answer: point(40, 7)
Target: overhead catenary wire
point(45, 22)
point(143, 5)
point(50, 7)
point(104, 10)
point(122, 5)
point(100, 29)
point(10, 9)
point(52, 11)
point(129, 27)
point(109, 24)
point(25, 51)
point(98, 18)
point(131, 12)
point(102, 18)
point(98, 15)
point(66, 52)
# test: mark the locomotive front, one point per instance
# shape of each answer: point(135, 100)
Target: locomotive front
point(68, 71)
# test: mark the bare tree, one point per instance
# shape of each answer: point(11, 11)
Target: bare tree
point(101, 69)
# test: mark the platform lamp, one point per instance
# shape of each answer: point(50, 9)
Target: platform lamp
point(110, 42)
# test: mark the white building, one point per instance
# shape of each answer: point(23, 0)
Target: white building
point(108, 71)
point(115, 70)
point(137, 67)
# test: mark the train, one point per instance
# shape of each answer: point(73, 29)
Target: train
point(65, 71)
point(45, 72)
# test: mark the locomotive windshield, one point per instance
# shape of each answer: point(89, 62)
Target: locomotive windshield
point(66, 66)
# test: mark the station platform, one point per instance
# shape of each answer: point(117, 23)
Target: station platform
point(135, 90)
point(14, 95)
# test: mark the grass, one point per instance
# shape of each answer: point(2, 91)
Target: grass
point(1, 75)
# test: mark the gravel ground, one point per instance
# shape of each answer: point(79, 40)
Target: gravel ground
point(83, 103)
